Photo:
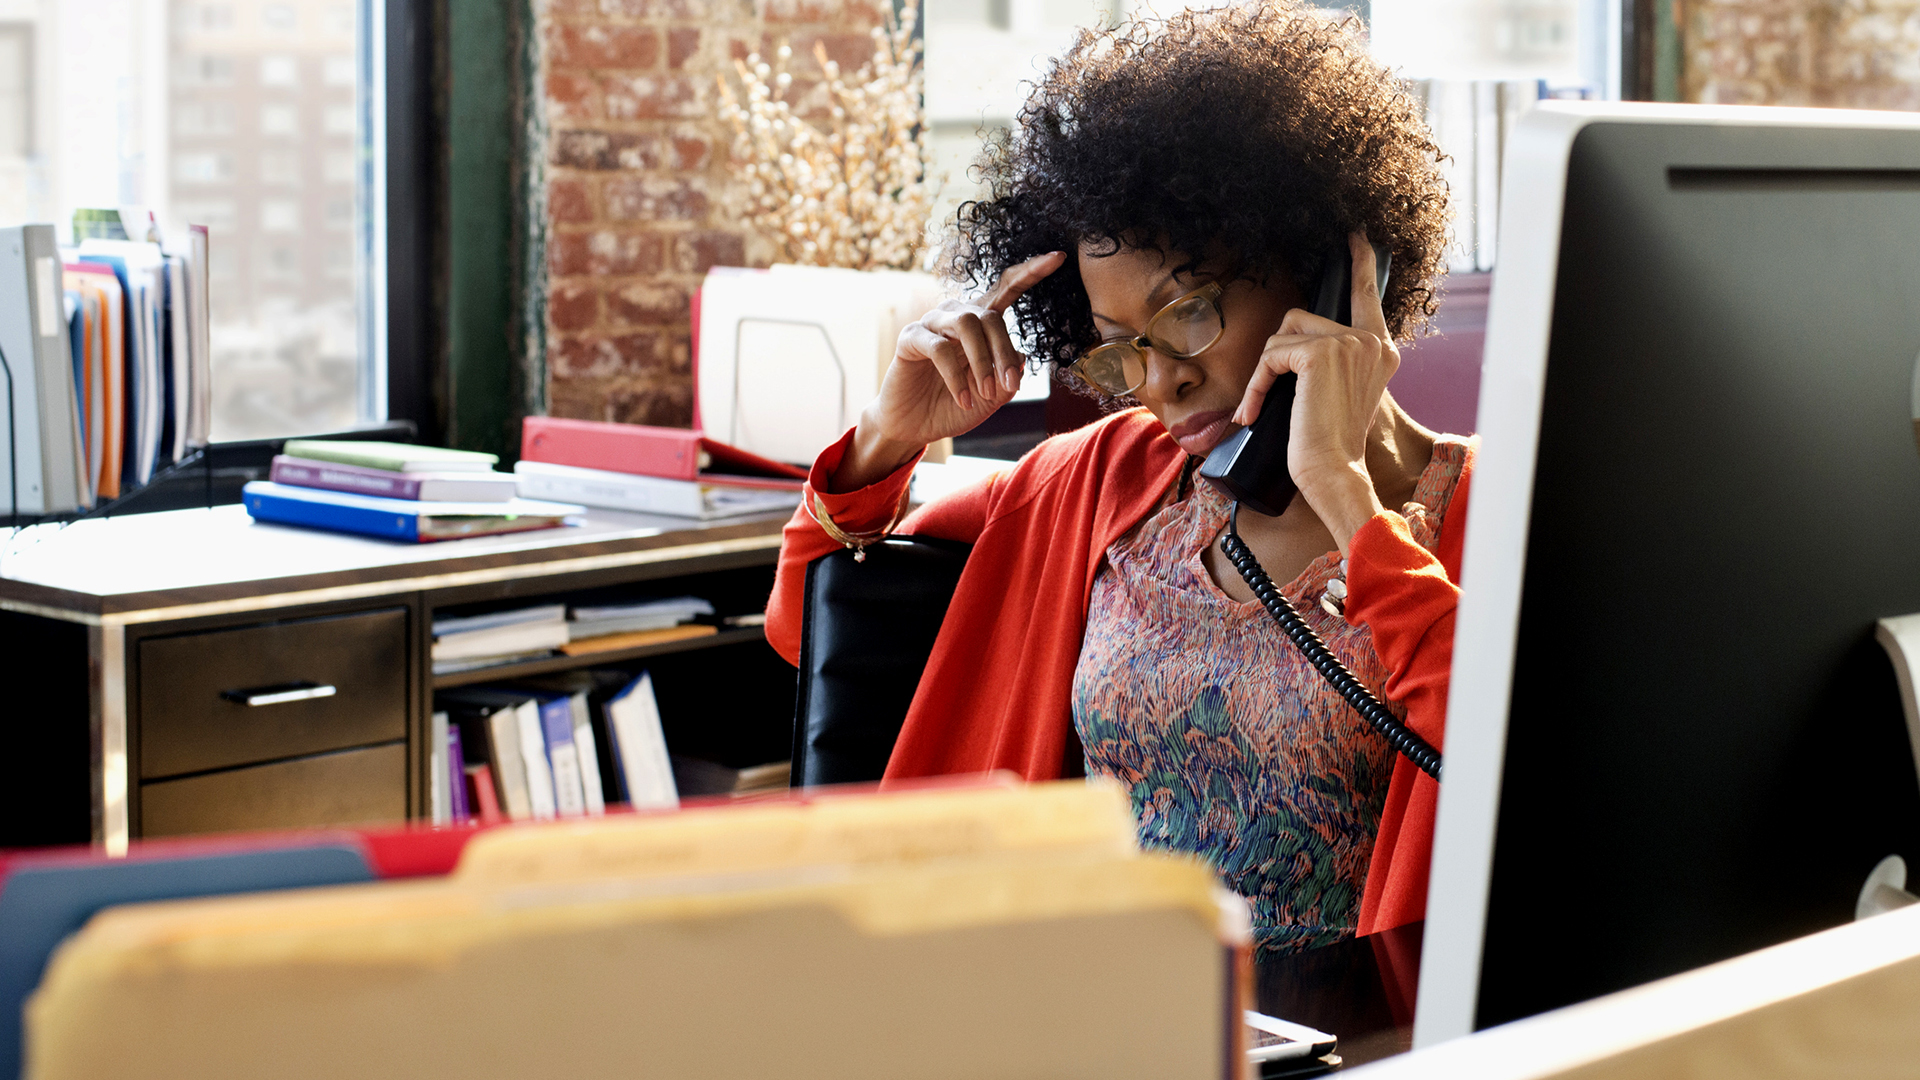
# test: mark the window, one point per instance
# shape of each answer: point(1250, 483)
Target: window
point(16, 92)
point(339, 71)
point(202, 111)
point(279, 120)
point(339, 120)
point(204, 70)
point(337, 167)
point(279, 71)
point(203, 167)
point(216, 214)
point(203, 118)
point(205, 18)
point(279, 167)
point(280, 215)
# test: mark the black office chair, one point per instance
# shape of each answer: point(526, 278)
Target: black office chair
point(867, 628)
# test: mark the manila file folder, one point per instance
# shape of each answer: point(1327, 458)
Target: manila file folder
point(1009, 956)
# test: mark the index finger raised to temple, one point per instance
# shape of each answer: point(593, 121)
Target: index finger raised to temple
point(1367, 312)
point(1015, 280)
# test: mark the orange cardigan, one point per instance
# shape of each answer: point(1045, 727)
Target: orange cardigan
point(997, 691)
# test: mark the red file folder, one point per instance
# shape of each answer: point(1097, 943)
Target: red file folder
point(672, 453)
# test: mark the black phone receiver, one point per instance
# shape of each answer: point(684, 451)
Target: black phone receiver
point(1250, 466)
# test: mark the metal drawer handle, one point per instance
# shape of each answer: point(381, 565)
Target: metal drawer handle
point(274, 695)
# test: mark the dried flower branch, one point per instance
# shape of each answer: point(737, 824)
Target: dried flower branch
point(855, 190)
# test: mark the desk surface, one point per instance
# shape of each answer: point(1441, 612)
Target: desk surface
point(147, 563)
point(1360, 990)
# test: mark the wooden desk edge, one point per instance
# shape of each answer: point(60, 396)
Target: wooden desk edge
point(479, 569)
point(1841, 1002)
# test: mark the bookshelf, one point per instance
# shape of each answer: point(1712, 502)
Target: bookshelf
point(547, 666)
point(125, 633)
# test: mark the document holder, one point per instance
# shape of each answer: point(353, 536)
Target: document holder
point(867, 628)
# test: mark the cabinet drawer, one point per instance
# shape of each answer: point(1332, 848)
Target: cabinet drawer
point(350, 787)
point(187, 725)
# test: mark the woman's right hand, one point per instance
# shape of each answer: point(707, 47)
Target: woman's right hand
point(951, 369)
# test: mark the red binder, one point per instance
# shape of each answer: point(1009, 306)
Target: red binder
point(673, 453)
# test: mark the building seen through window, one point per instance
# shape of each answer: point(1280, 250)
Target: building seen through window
point(241, 115)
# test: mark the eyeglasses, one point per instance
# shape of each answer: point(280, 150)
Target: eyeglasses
point(1183, 329)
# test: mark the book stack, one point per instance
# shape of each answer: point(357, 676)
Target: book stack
point(623, 626)
point(397, 491)
point(461, 643)
point(987, 933)
point(565, 746)
point(651, 470)
point(107, 349)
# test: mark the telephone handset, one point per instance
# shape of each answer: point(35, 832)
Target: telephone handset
point(1250, 466)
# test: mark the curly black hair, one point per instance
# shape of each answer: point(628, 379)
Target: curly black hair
point(1260, 133)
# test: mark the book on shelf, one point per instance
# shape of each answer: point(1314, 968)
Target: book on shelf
point(490, 720)
point(633, 639)
point(640, 747)
point(483, 798)
point(698, 776)
point(703, 500)
point(439, 770)
point(587, 691)
point(641, 449)
point(596, 621)
point(467, 486)
point(556, 724)
point(518, 632)
point(458, 808)
point(398, 519)
point(391, 457)
point(1050, 944)
point(533, 756)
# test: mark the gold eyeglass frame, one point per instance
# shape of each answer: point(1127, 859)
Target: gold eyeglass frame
point(1210, 292)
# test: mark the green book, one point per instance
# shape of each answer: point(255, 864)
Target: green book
point(393, 457)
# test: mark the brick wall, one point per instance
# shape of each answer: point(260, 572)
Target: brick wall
point(1861, 54)
point(634, 178)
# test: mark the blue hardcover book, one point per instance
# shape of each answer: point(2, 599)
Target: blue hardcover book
point(398, 519)
point(556, 722)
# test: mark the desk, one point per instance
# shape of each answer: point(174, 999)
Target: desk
point(120, 635)
point(1361, 990)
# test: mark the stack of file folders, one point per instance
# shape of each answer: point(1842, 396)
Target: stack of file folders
point(107, 365)
point(984, 933)
point(651, 470)
point(397, 491)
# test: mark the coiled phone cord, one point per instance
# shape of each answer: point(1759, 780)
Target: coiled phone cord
point(1398, 735)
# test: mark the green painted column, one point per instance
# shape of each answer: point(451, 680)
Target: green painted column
point(1668, 52)
point(483, 215)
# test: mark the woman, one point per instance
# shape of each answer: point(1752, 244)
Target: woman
point(1171, 195)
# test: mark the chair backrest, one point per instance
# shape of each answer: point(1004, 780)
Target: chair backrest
point(867, 628)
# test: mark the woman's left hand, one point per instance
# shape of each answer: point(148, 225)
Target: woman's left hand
point(1343, 371)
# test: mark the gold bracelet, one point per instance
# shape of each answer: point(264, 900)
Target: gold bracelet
point(857, 542)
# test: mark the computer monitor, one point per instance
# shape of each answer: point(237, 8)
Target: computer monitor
point(1672, 737)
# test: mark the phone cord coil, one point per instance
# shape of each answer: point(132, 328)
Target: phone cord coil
point(1398, 735)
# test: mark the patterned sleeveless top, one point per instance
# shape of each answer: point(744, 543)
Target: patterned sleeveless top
point(1232, 746)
